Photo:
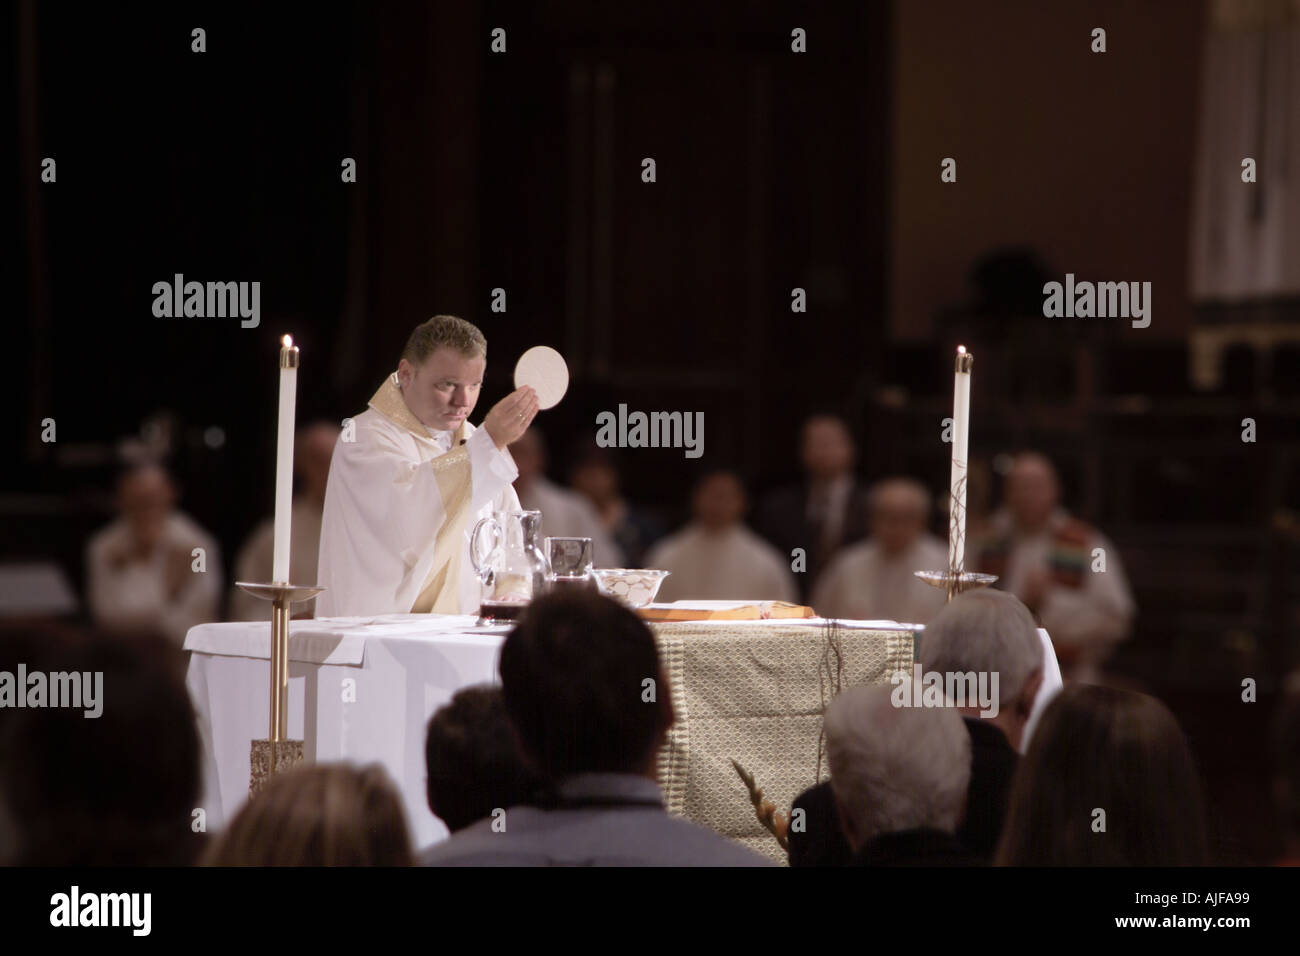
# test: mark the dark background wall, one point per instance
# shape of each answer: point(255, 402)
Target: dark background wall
point(476, 172)
point(1086, 156)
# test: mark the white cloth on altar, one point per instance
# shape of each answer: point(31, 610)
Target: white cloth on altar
point(361, 690)
point(255, 563)
point(566, 514)
point(731, 565)
point(862, 582)
point(383, 511)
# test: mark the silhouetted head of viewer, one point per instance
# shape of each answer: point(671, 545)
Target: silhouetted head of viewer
point(473, 763)
point(1108, 780)
point(318, 815)
point(582, 684)
point(827, 449)
point(719, 501)
point(897, 509)
point(113, 781)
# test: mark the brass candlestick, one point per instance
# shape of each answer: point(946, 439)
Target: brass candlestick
point(277, 752)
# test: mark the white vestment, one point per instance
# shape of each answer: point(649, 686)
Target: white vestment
point(566, 514)
point(731, 565)
point(166, 592)
point(863, 584)
point(399, 509)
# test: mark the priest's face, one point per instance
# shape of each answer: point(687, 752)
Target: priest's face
point(442, 390)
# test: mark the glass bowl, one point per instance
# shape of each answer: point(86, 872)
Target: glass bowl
point(635, 587)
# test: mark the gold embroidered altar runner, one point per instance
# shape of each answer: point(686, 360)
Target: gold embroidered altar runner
point(755, 693)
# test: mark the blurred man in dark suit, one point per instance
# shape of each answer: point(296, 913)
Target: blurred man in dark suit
point(827, 510)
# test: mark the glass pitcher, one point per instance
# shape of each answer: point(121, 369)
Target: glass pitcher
point(511, 567)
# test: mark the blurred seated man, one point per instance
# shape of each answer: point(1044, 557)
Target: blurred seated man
point(1045, 557)
point(574, 674)
point(874, 580)
point(565, 514)
point(312, 450)
point(717, 558)
point(143, 575)
point(471, 759)
point(899, 778)
point(828, 510)
point(596, 476)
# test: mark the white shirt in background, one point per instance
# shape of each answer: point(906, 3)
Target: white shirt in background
point(864, 584)
point(256, 560)
point(566, 514)
point(731, 565)
point(163, 592)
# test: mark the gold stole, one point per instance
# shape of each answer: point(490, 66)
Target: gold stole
point(441, 591)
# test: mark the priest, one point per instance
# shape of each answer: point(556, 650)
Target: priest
point(410, 476)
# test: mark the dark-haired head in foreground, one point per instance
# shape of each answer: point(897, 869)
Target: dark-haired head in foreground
point(1105, 757)
point(590, 706)
point(583, 687)
point(117, 789)
point(472, 762)
point(318, 815)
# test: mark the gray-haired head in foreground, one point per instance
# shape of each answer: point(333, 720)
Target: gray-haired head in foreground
point(984, 632)
point(895, 768)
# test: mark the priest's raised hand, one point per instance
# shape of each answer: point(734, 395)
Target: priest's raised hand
point(510, 417)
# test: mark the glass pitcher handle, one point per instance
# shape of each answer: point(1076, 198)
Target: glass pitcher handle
point(474, 539)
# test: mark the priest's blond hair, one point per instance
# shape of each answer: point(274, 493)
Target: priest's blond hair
point(444, 331)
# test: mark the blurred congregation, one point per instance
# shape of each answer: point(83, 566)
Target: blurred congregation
point(945, 786)
point(846, 548)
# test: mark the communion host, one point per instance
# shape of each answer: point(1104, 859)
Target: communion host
point(411, 476)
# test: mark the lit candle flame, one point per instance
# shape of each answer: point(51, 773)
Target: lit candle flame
point(287, 341)
point(961, 349)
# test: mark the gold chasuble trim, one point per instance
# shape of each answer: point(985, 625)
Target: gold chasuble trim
point(441, 591)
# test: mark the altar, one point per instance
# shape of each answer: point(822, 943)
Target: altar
point(362, 690)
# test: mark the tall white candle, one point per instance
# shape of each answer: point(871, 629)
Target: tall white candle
point(960, 447)
point(284, 459)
